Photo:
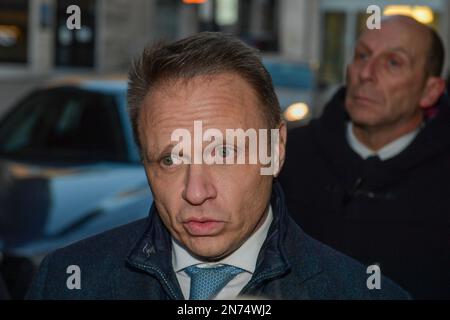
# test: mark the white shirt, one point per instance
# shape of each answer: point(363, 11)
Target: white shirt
point(244, 257)
point(388, 151)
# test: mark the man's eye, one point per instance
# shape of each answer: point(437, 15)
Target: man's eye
point(224, 151)
point(361, 56)
point(394, 63)
point(167, 161)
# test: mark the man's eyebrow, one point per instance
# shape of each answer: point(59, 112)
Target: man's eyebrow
point(394, 49)
point(402, 50)
point(362, 44)
point(154, 156)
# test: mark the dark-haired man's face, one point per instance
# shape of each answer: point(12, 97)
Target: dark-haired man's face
point(210, 208)
point(387, 81)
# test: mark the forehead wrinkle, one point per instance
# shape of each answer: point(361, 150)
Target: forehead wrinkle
point(187, 106)
point(179, 117)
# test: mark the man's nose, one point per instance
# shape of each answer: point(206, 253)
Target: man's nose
point(368, 69)
point(199, 186)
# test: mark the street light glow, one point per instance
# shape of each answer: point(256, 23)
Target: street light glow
point(194, 1)
point(423, 14)
point(296, 111)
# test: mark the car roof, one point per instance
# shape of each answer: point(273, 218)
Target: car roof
point(107, 84)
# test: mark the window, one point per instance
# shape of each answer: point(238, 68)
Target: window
point(166, 19)
point(64, 125)
point(333, 48)
point(13, 31)
point(75, 48)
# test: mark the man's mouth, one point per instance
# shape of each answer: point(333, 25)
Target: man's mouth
point(363, 98)
point(363, 94)
point(203, 226)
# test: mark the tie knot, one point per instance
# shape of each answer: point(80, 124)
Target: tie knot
point(207, 282)
point(211, 271)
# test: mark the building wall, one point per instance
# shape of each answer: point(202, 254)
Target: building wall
point(123, 28)
point(41, 42)
point(299, 29)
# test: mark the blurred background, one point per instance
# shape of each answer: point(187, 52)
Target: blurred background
point(35, 43)
point(68, 164)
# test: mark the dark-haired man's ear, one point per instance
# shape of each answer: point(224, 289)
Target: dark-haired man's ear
point(434, 88)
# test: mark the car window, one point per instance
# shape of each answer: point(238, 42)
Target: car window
point(298, 76)
point(64, 124)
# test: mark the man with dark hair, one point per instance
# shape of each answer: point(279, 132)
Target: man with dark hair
point(216, 230)
point(371, 177)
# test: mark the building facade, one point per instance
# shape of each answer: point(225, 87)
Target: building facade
point(34, 38)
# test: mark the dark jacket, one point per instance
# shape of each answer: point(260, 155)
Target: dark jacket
point(4, 294)
point(395, 213)
point(16, 274)
point(134, 262)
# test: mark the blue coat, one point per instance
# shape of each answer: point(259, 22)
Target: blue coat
point(135, 262)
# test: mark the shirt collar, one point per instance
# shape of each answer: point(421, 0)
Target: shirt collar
point(388, 151)
point(244, 257)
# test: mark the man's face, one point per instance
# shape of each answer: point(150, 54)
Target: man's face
point(386, 79)
point(210, 209)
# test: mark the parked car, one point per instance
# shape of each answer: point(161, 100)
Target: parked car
point(69, 167)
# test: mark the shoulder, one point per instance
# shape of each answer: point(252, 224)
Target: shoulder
point(338, 276)
point(300, 143)
point(116, 241)
point(298, 135)
point(97, 258)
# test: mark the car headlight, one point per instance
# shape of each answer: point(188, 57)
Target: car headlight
point(296, 111)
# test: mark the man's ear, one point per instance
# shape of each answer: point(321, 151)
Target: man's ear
point(434, 88)
point(282, 146)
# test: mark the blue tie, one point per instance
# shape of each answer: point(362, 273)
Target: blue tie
point(206, 283)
